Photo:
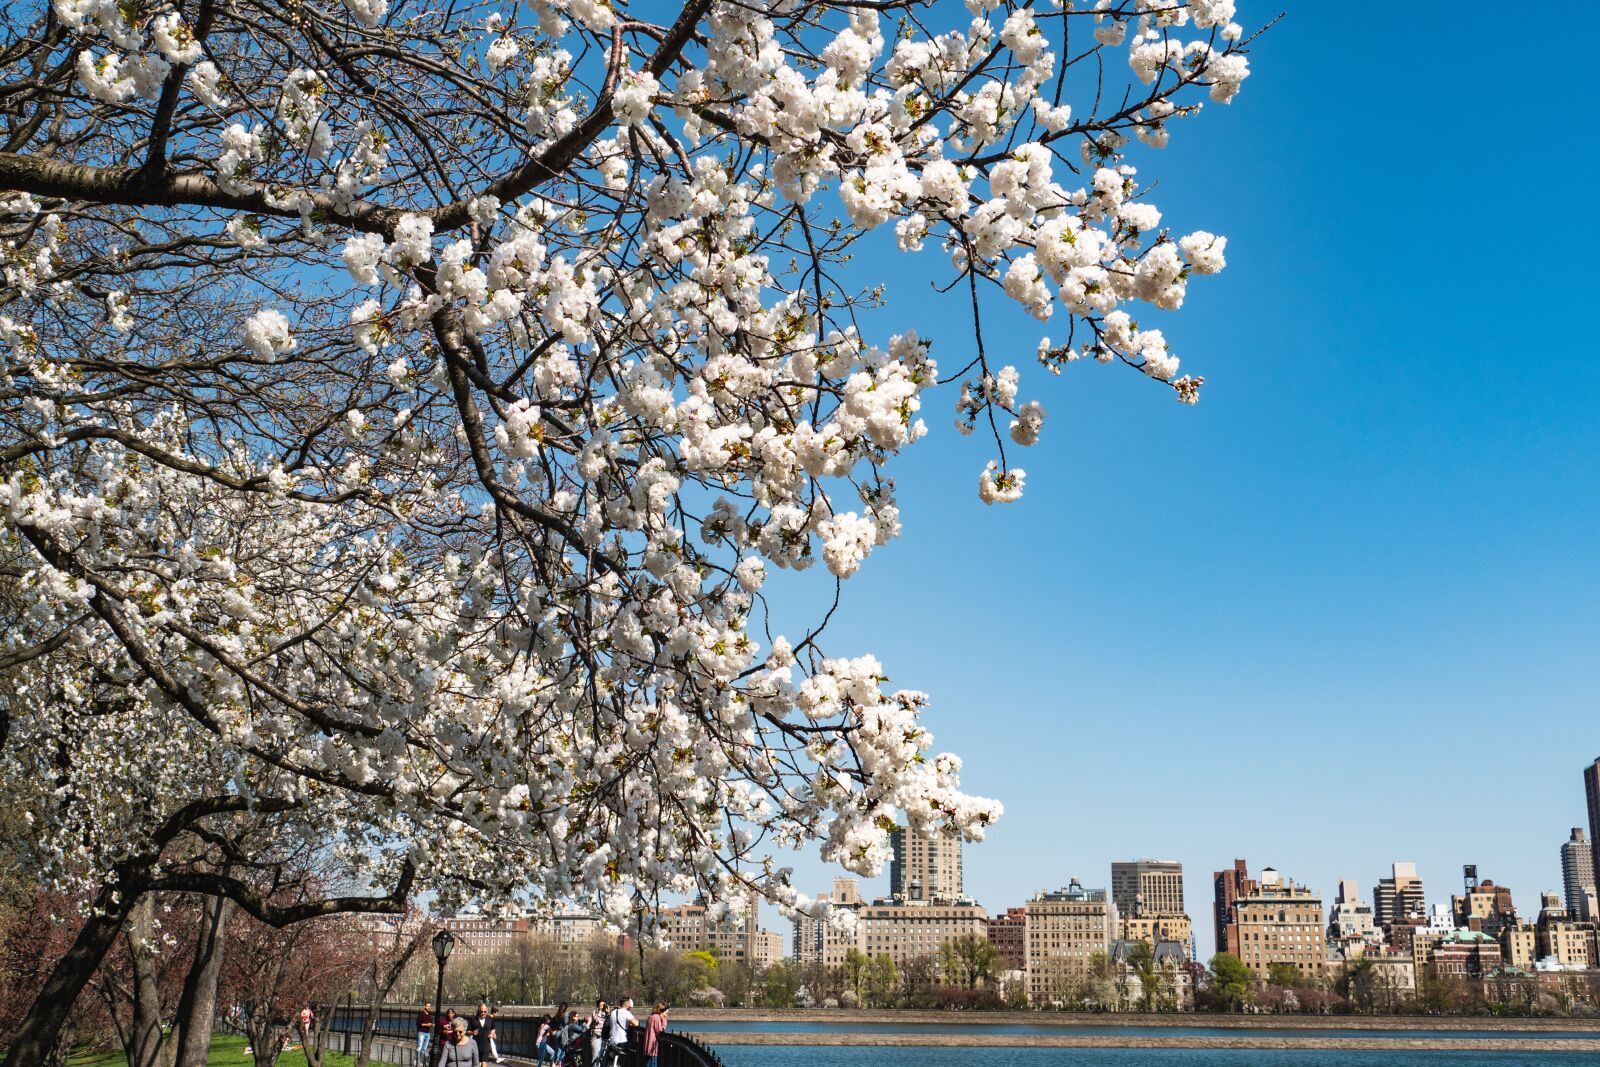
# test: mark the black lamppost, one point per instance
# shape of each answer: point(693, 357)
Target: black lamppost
point(443, 942)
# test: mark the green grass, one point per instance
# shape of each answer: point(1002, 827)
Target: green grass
point(226, 1051)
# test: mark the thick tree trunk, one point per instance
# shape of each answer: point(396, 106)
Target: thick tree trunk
point(142, 1042)
point(266, 1039)
point(39, 1031)
point(197, 1007)
point(311, 1035)
point(383, 983)
point(369, 1027)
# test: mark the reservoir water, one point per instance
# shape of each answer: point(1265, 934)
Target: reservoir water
point(978, 1056)
point(978, 1030)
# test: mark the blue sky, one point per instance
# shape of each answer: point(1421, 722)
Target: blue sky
point(1344, 612)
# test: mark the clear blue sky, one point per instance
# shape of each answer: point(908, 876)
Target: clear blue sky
point(1345, 611)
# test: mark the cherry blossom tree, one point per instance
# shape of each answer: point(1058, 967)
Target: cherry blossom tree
point(402, 406)
point(272, 973)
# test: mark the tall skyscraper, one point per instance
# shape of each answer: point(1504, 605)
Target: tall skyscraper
point(1591, 786)
point(1227, 887)
point(925, 867)
point(1147, 887)
point(1398, 896)
point(1577, 875)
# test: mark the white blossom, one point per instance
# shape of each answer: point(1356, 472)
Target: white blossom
point(205, 80)
point(366, 326)
point(996, 486)
point(367, 12)
point(118, 311)
point(1029, 421)
point(1204, 252)
point(634, 95)
point(501, 54)
point(266, 333)
point(362, 254)
point(176, 41)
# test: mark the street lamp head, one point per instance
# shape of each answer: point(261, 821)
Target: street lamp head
point(443, 942)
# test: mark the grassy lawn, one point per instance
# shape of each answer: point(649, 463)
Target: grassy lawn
point(225, 1052)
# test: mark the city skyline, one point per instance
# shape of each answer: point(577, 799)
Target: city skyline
point(988, 888)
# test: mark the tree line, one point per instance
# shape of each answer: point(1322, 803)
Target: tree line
point(1362, 987)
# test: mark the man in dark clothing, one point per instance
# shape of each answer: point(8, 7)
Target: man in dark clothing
point(424, 1028)
point(479, 1028)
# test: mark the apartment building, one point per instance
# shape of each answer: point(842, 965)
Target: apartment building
point(1147, 887)
point(1065, 929)
point(905, 930)
point(1280, 922)
point(1398, 896)
point(925, 867)
point(1009, 935)
point(1227, 887)
point(1591, 791)
point(1483, 906)
point(821, 940)
point(1156, 929)
point(1465, 954)
point(733, 937)
point(1577, 876)
point(479, 932)
point(1352, 929)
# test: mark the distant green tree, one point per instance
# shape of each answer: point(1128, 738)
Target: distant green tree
point(779, 985)
point(1141, 961)
point(1230, 981)
point(856, 966)
point(1358, 984)
point(882, 978)
point(705, 960)
point(739, 981)
point(968, 961)
point(1283, 975)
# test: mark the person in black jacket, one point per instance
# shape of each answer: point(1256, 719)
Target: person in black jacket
point(480, 1028)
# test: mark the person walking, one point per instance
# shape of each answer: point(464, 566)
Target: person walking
point(597, 1033)
point(652, 1034)
point(548, 1043)
point(459, 1050)
point(424, 1029)
point(494, 1035)
point(617, 1029)
point(479, 1028)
